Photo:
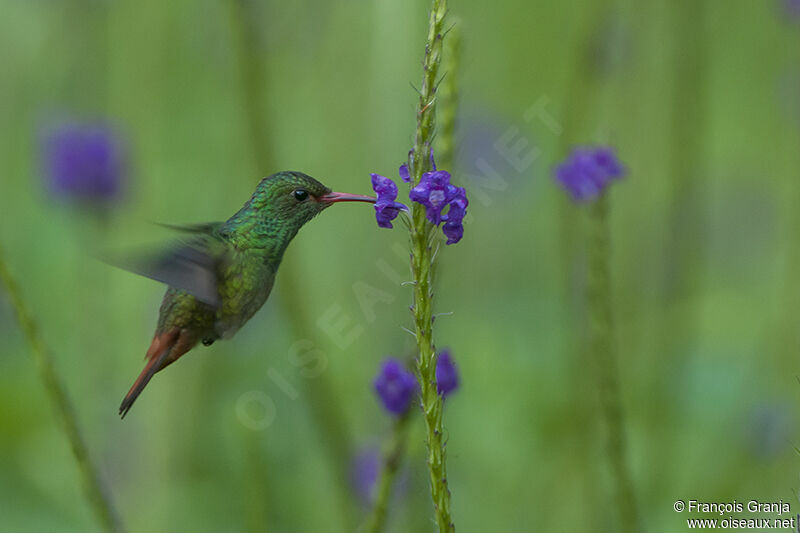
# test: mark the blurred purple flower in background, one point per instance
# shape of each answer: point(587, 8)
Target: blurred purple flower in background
point(364, 474)
point(792, 8)
point(386, 209)
point(588, 171)
point(365, 471)
point(395, 386)
point(769, 429)
point(84, 161)
point(446, 373)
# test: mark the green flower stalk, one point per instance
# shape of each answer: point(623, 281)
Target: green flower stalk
point(445, 141)
point(95, 492)
point(390, 465)
point(601, 345)
point(245, 28)
point(422, 258)
point(586, 174)
point(688, 196)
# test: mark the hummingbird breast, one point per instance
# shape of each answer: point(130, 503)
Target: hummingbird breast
point(244, 286)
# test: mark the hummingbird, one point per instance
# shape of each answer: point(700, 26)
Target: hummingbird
point(223, 272)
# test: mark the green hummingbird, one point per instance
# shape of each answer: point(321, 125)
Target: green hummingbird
point(224, 271)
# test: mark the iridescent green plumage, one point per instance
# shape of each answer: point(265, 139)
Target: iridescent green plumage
point(223, 272)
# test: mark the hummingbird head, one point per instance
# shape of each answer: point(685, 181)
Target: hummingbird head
point(297, 197)
point(284, 201)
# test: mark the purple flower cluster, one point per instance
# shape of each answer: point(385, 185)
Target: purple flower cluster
point(588, 171)
point(434, 192)
point(84, 161)
point(395, 386)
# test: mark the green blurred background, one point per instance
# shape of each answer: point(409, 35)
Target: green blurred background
point(701, 100)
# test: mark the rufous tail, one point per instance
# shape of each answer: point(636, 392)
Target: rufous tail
point(165, 348)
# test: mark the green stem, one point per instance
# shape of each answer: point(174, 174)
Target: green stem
point(687, 198)
point(321, 400)
point(252, 84)
point(444, 154)
point(585, 88)
point(95, 493)
point(390, 466)
point(422, 257)
point(601, 343)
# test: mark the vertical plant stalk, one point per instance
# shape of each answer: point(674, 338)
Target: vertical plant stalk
point(688, 195)
point(448, 109)
point(320, 397)
point(601, 344)
point(422, 257)
point(586, 98)
point(321, 400)
point(94, 490)
point(252, 84)
point(586, 86)
point(390, 465)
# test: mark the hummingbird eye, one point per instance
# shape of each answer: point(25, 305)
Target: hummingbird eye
point(300, 195)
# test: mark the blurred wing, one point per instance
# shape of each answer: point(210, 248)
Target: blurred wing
point(192, 265)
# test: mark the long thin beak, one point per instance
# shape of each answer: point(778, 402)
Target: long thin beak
point(344, 197)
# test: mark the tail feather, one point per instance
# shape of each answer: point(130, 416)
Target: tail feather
point(163, 350)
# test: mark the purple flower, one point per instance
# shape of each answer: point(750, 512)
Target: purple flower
point(365, 469)
point(364, 474)
point(84, 161)
point(446, 373)
point(386, 209)
point(404, 175)
point(454, 219)
point(395, 386)
point(587, 172)
point(434, 191)
point(792, 8)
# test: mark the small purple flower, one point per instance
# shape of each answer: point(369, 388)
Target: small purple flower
point(395, 386)
point(434, 191)
point(365, 471)
point(364, 474)
point(404, 175)
point(84, 161)
point(792, 8)
point(386, 209)
point(587, 172)
point(446, 373)
point(454, 219)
